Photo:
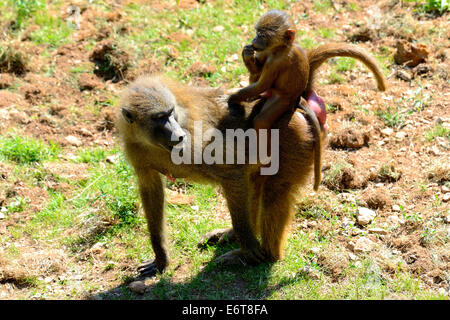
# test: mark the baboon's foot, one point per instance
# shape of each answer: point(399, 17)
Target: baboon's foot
point(150, 268)
point(219, 236)
point(238, 257)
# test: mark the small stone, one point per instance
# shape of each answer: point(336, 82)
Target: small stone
point(218, 28)
point(352, 256)
point(312, 224)
point(387, 131)
point(243, 83)
point(363, 244)
point(400, 135)
point(445, 189)
point(365, 216)
point(435, 151)
point(447, 219)
point(88, 81)
point(446, 197)
point(346, 197)
point(394, 220)
point(73, 141)
point(85, 132)
point(195, 208)
point(48, 279)
point(377, 231)
point(137, 287)
point(396, 208)
point(310, 272)
point(112, 158)
point(2, 215)
point(233, 57)
point(443, 292)
point(403, 75)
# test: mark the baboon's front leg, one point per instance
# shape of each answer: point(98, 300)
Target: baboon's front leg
point(237, 196)
point(151, 189)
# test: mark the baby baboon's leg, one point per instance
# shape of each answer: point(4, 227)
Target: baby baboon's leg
point(152, 196)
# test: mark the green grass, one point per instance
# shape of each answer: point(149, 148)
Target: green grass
point(24, 150)
point(437, 131)
point(104, 208)
point(391, 117)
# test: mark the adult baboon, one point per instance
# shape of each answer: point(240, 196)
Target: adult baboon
point(156, 113)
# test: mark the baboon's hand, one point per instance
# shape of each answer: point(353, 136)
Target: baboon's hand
point(248, 51)
point(150, 268)
point(234, 99)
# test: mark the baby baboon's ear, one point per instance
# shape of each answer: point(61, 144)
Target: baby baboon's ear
point(290, 35)
point(128, 115)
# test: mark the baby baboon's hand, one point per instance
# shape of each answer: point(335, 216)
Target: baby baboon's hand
point(248, 51)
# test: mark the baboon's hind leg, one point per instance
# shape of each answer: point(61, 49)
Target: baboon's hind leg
point(276, 216)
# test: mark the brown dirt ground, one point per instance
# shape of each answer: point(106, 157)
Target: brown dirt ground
point(42, 106)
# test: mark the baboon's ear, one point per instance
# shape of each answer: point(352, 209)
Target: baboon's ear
point(290, 35)
point(128, 115)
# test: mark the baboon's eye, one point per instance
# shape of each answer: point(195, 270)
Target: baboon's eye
point(161, 116)
point(129, 117)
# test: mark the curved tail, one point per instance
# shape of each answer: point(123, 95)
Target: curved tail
point(322, 53)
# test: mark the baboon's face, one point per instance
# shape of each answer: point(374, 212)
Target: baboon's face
point(153, 114)
point(261, 41)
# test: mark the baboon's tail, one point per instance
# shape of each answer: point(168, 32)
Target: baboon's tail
point(322, 53)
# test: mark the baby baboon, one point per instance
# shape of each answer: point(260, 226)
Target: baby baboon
point(154, 111)
point(279, 68)
point(281, 71)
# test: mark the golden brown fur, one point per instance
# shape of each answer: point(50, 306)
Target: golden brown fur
point(261, 207)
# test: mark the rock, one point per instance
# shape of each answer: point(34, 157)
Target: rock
point(396, 208)
point(88, 81)
point(74, 141)
point(365, 216)
point(363, 244)
point(218, 28)
point(401, 135)
point(112, 158)
point(446, 197)
point(6, 80)
point(403, 75)
point(411, 54)
point(2, 215)
point(350, 138)
point(85, 132)
point(232, 58)
point(377, 231)
point(310, 272)
point(346, 197)
point(434, 150)
point(394, 220)
point(447, 219)
point(423, 70)
point(387, 131)
point(137, 287)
